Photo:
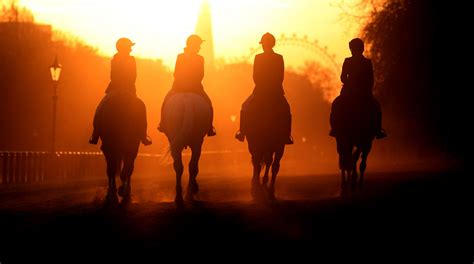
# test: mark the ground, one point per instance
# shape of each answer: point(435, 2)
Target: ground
point(397, 216)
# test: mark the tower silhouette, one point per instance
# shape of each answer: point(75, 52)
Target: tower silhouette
point(204, 29)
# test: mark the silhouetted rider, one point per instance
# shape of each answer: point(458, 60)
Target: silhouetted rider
point(188, 75)
point(268, 75)
point(357, 77)
point(123, 74)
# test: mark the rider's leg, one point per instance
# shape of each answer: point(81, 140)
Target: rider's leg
point(332, 117)
point(287, 114)
point(161, 127)
point(94, 139)
point(211, 132)
point(378, 119)
point(243, 127)
point(240, 135)
point(142, 123)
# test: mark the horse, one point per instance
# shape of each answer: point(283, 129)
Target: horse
point(266, 137)
point(122, 124)
point(354, 123)
point(187, 117)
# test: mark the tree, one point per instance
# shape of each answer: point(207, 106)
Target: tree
point(13, 13)
point(409, 44)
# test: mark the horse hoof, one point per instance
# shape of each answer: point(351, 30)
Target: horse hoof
point(178, 201)
point(194, 188)
point(190, 192)
point(189, 197)
point(271, 194)
point(257, 193)
point(265, 181)
point(353, 186)
point(111, 200)
point(126, 200)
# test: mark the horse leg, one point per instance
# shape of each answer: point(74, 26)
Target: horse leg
point(126, 174)
point(344, 182)
point(275, 170)
point(257, 168)
point(268, 163)
point(344, 177)
point(363, 163)
point(344, 149)
point(355, 159)
point(112, 166)
point(178, 168)
point(193, 187)
point(363, 167)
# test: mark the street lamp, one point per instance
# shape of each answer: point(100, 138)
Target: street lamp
point(55, 70)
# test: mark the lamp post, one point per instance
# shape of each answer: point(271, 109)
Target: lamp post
point(55, 70)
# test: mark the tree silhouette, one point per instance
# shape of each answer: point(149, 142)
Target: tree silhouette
point(26, 51)
point(409, 42)
point(14, 13)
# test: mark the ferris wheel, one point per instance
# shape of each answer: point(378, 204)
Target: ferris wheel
point(320, 53)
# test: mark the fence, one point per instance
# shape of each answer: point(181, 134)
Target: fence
point(29, 166)
point(21, 167)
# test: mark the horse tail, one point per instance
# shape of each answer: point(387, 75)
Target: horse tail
point(186, 126)
point(166, 156)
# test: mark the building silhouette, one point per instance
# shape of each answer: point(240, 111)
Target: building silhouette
point(204, 29)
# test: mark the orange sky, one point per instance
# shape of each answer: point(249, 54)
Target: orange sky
point(160, 27)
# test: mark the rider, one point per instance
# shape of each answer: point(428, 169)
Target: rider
point(188, 75)
point(358, 78)
point(123, 73)
point(268, 74)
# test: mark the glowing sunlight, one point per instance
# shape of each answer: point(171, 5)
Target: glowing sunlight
point(160, 27)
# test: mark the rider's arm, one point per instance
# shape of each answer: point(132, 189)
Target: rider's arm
point(344, 77)
point(200, 73)
point(371, 75)
point(257, 71)
point(177, 67)
point(281, 71)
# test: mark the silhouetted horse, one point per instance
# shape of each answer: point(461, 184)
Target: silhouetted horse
point(266, 137)
point(187, 117)
point(354, 124)
point(122, 124)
